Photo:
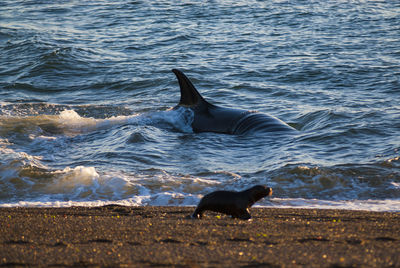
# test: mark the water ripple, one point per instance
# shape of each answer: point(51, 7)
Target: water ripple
point(85, 89)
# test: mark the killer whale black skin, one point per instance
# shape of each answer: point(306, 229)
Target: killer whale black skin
point(212, 118)
point(232, 203)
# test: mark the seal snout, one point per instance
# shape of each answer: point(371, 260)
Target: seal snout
point(269, 189)
point(260, 191)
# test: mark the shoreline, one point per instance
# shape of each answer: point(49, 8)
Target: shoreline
point(115, 235)
point(384, 205)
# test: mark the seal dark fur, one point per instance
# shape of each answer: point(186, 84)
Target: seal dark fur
point(232, 203)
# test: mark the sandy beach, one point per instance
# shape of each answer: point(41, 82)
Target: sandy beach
point(121, 236)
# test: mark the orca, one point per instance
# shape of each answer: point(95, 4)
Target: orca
point(208, 117)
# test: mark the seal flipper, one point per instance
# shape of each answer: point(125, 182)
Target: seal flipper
point(189, 95)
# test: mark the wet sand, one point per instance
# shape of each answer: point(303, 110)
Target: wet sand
point(162, 236)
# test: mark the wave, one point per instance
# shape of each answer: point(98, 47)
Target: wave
point(339, 182)
point(27, 181)
point(29, 176)
point(38, 120)
point(28, 173)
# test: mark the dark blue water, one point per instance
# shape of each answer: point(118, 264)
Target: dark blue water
point(86, 88)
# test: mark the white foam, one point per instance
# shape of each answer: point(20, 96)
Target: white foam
point(68, 123)
point(69, 115)
point(389, 205)
point(395, 185)
point(4, 142)
point(43, 138)
point(72, 121)
point(74, 180)
point(96, 203)
point(181, 118)
point(22, 157)
point(176, 199)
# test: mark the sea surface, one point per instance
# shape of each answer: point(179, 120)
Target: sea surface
point(86, 92)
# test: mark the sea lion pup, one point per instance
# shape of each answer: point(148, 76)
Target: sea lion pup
point(232, 203)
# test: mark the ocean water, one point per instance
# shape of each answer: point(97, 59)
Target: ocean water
point(86, 90)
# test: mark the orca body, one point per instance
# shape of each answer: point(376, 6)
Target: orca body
point(211, 118)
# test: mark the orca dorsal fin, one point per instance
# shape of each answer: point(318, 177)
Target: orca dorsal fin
point(189, 94)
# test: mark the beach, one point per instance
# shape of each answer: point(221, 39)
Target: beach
point(122, 236)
